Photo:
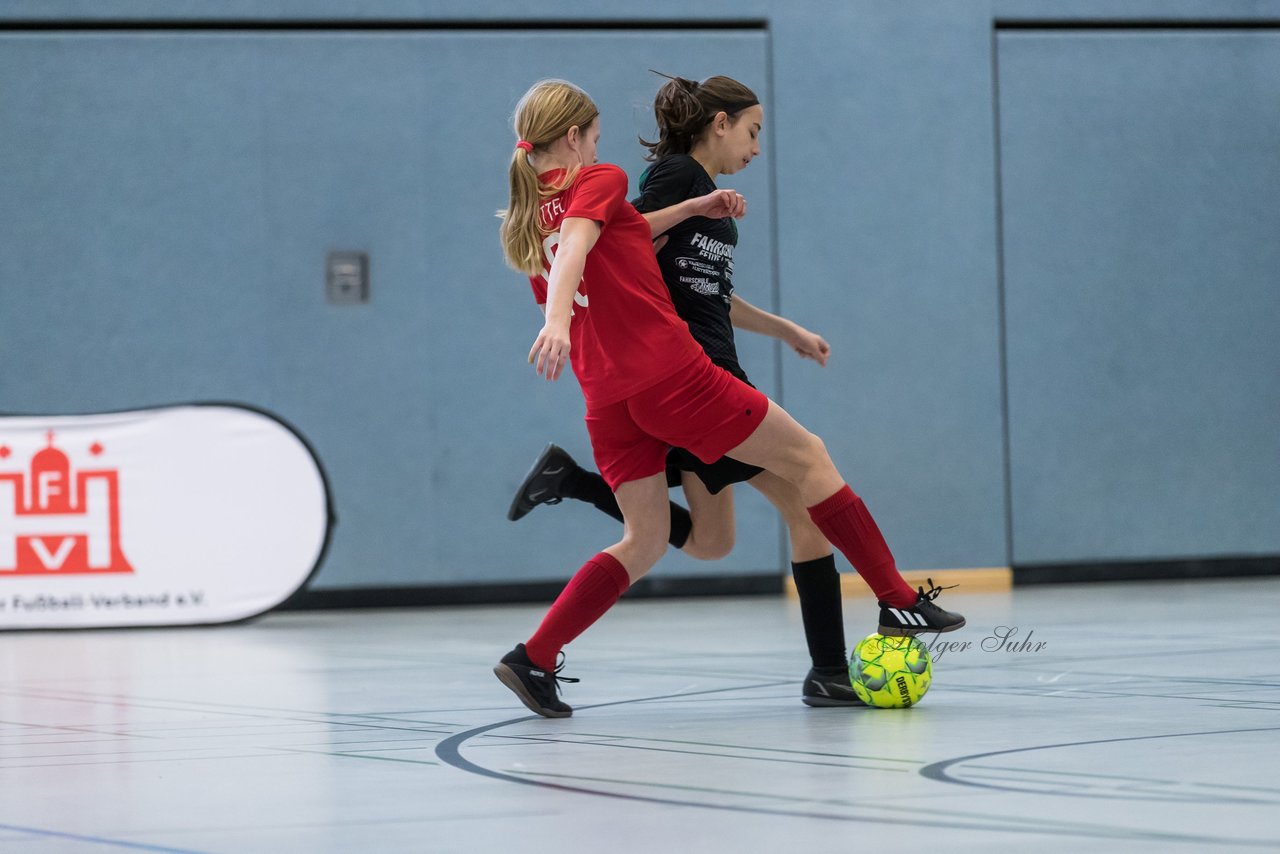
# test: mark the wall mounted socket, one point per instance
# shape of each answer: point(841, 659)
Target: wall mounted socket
point(347, 278)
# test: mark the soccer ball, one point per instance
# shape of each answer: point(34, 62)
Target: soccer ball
point(890, 672)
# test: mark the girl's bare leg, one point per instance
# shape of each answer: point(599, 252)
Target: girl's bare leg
point(780, 445)
point(595, 587)
point(807, 542)
point(713, 532)
point(646, 524)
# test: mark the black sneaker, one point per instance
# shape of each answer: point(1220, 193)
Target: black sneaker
point(543, 482)
point(829, 686)
point(923, 616)
point(535, 686)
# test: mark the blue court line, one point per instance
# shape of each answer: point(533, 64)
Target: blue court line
point(119, 843)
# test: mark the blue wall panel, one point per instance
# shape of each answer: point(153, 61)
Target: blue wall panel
point(181, 192)
point(886, 212)
point(169, 198)
point(1140, 174)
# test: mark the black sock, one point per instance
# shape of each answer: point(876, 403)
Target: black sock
point(818, 584)
point(590, 487)
point(681, 526)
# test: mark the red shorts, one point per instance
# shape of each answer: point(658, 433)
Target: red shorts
point(703, 409)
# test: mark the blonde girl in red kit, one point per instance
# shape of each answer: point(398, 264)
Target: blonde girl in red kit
point(648, 385)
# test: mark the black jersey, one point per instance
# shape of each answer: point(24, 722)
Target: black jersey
point(697, 260)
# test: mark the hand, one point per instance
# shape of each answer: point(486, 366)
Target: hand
point(551, 350)
point(720, 204)
point(659, 243)
point(809, 345)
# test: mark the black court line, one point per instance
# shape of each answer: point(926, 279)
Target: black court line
point(1016, 824)
point(941, 771)
point(1129, 24)
point(754, 748)
point(449, 753)
point(710, 754)
point(1109, 787)
point(370, 25)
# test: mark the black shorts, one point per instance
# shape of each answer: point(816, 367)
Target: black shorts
point(725, 471)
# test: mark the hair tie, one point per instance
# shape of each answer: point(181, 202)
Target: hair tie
point(526, 145)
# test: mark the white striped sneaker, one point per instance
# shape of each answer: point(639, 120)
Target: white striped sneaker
point(923, 616)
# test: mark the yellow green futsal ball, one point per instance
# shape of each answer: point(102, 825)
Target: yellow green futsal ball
point(890, 672)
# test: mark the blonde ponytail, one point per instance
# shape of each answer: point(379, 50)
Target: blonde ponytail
point(521, 229)
point(544, 115)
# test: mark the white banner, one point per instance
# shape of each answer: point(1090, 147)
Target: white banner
point(180, 515)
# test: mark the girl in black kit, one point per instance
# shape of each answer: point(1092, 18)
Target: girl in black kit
point(706, 130)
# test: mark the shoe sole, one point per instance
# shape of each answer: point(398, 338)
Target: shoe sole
point(830, 702)
point(508, 677)
point(896, 632)
point(515, 512)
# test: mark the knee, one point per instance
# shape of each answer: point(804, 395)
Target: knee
point(645, 549)
point(703, 545)
point(805, 454)
point(815, 450)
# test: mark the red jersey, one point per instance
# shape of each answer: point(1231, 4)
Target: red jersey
point(625, 335)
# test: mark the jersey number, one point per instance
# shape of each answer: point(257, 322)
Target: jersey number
point(549, 249)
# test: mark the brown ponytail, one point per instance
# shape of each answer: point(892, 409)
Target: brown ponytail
point(684, 108)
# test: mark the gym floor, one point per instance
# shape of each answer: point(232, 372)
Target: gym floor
point(1118, 717)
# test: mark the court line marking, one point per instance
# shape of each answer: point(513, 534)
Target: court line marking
point(98, 840)
point(449, 751)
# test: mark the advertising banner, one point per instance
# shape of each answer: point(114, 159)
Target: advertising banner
point(175, 516)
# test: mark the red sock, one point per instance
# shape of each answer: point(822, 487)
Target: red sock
point(844, 521)
point(586, 597)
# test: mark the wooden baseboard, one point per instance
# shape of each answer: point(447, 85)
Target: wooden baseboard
point(979, 580)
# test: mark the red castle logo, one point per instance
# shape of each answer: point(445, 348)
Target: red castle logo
point(47, 528)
